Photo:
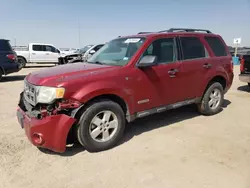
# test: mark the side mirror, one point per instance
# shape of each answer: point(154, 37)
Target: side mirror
point(92, 52)
point(147, 61)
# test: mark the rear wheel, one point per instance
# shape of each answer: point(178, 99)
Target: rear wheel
point(212, 100)
point(101, 126)
point(22, 62)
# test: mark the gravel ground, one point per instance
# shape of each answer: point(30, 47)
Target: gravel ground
point(178, 149)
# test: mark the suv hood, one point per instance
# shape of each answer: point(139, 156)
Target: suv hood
point(55, 76)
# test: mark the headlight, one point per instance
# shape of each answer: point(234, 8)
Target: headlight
point(48, 94)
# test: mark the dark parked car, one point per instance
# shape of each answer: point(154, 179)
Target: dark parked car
point(245, 69)
point(8, 59)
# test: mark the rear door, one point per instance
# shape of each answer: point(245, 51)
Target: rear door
point(195, 65)
point(38, 54)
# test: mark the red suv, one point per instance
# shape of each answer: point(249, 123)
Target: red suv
point(130, 77)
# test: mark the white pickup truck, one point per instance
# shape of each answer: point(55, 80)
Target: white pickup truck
point(38, 53)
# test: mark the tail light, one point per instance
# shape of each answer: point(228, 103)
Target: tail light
point(242, 62)
point(11, 57)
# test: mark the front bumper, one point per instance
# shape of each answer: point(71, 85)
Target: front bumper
point(49, 132)
point(244, 78)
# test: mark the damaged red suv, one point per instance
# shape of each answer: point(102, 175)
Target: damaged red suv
point(130, 77)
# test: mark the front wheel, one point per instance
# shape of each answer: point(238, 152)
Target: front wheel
point(101, 126)
point(212, 100)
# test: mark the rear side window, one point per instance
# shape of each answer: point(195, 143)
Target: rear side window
point(38, 48)
point(192, 48)
point(217, 46)
point(5, 45)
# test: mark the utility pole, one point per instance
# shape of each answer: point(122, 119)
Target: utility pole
point(15, 41)
point(79, 34)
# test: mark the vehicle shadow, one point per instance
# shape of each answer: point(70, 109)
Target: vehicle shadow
point(244, 88)
point(164, 119)
point(226, 103)
point(70, 151)
point(9, 78)
point(147, 124)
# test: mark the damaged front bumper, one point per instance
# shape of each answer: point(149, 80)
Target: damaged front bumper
point(46, 131)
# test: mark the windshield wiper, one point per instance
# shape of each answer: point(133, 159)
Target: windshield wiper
point(96, 62)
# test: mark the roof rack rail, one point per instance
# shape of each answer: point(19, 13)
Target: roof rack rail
point(184, 29)
point(144, 33)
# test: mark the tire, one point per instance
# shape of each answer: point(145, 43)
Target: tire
point(22, 62)
point(1, 75)
point(248, 84)
point(100, 142)
point(205, 106)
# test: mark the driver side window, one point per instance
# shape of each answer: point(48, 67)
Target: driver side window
point(51, 49)
point(164, 49)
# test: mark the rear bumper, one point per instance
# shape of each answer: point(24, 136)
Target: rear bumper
point(12, 68)
point(50, 132)
point(229, 83)
point(244, 78)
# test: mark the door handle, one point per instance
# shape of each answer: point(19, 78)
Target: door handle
point(47, 53)
point(172, 72)
point(207, 66)
point(33, 53)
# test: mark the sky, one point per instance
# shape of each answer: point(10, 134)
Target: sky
point(76, 23)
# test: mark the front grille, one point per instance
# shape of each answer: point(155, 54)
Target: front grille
point(29, 93)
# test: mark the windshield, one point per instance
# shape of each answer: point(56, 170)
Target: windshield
point(117, 52)
point(83, 50)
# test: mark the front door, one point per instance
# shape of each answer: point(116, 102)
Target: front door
point(162, 83)
point(52, 54)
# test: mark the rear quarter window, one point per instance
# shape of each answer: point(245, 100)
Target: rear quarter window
point(5, 45)
point(38, 48)
point(217, 46)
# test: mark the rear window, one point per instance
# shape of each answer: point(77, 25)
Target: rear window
point(5, 45)
point(38, 48)
point(217, 46)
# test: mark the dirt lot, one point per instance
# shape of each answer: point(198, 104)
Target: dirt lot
point(178, 149)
